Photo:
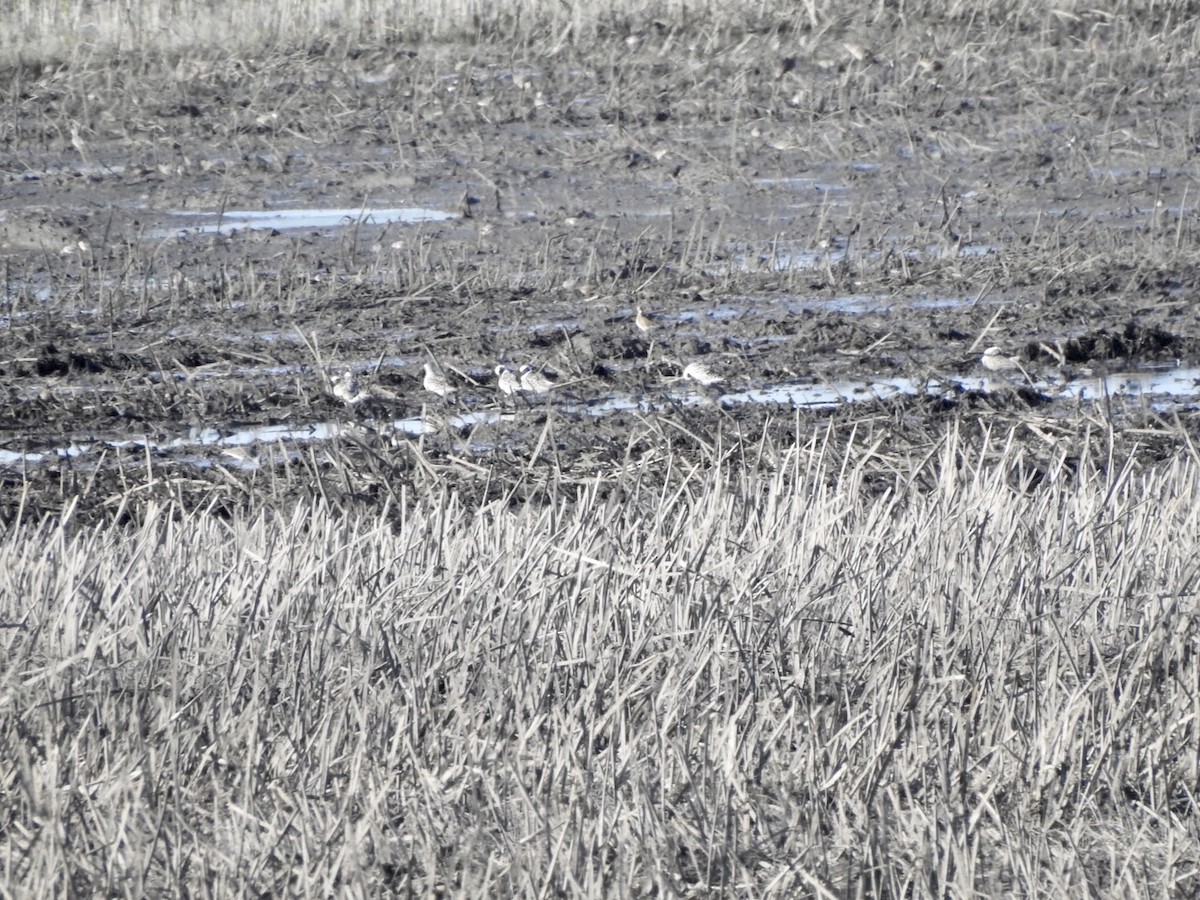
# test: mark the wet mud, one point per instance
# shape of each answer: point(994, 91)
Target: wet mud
point(185, 280)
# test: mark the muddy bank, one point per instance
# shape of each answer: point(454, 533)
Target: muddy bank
point(819, 230)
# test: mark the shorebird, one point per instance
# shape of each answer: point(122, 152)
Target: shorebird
point(644, 323)
point(508, 383)
point(535, 382)
point(859, 52)
point(347, 389)
point(698, 371)
point(994, 360)
point(80, 146)
point(435, 382)
point(646, 326)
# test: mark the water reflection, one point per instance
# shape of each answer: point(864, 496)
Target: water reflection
point(282, 219)
point(244, 448)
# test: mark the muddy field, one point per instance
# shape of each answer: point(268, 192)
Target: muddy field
point(862, 617)
point(192, 254)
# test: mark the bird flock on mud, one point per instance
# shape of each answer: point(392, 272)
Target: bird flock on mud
point(528, 380)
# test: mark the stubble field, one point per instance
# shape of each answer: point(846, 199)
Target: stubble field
point(862, 619)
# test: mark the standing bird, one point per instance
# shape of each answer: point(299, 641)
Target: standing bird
point(994, 360)
point(435, 382)
point(698, 371)
point(535, 382)
point(646, 326)
point(347, 389)
point(508, 383)
point(644, 323)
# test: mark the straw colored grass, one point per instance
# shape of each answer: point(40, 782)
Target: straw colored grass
point(771, 677)
point(79, 30)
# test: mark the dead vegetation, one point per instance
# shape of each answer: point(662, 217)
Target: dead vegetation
point(811, 666)
point(911, 646)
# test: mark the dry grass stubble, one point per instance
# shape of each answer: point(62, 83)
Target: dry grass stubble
point(779, 683)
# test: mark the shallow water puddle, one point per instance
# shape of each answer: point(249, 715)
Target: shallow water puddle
point(783, 257)
point(824, 395)
point(850, 304)
point(248, 439)
point(1178, 383)
point(860, 304)
point(244, 446)
point(801, 183)
point(787, 256)
point(813, 396)
point(230, 221)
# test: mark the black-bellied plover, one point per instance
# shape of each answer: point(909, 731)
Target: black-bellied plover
point(534, 382)
point(507, 382)
point(698, 371)
point(994, 360)
point(859, 52)
point(347, 389)
point(437, 383)
point(350, 390)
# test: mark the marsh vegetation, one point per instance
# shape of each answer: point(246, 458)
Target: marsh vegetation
point(637, 636)
point(795, 668)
